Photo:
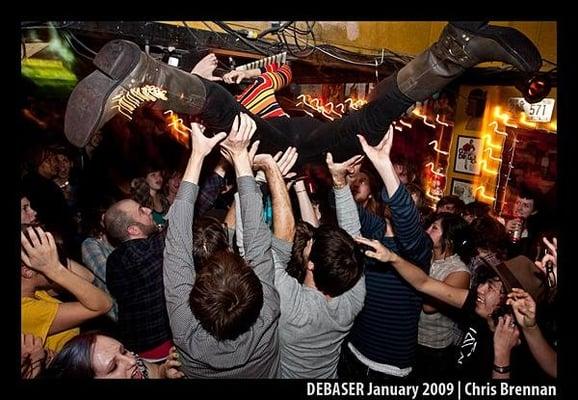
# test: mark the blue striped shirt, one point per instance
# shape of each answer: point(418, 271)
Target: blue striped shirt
point(386, 329)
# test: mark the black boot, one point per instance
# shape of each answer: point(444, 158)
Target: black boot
point(460, 46)
point(125, 79)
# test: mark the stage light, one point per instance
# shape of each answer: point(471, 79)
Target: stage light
point(535, 88)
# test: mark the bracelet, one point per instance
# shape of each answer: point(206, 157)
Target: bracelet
point(301, 191)
point(502, 370)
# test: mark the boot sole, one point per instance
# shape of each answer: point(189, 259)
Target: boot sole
point(85, 107)
point(529, 60)
point(118, 58)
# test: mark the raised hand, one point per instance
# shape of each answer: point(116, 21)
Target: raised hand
point(240, 135)
point(383, 148)
point(506, 336)
point(201, 144)
point(524, 307)
point(375, 249)
point(32, 355)
point(340, 171)
point(550, 256)
point(39, 252)
point(235, 76)
point(286, 160)
point(206, 67)
point(170, 368)
point(253, 150)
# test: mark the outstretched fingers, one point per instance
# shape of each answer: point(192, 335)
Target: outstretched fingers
point(288, 160)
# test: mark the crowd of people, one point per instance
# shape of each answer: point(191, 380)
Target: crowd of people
point(321, 260)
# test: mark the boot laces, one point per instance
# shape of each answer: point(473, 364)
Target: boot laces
point(133, 98)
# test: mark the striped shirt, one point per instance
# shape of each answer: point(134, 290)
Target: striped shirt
point(385, 332)
point(259, 98)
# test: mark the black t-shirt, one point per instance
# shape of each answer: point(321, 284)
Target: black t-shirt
point(475, 355)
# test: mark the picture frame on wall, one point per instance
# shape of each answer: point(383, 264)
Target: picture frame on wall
point(463, 189)
point(468, 155)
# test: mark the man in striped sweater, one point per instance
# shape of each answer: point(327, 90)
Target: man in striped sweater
point(383, 340)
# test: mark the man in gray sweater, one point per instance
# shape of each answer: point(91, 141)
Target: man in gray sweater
point(224, 317)
point(316, 315)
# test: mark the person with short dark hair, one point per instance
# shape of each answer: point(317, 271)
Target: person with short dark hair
point(525, 219)
point(476, 209)
point(224, 314)
point(318, 311)
point(450, 204)
point(134, 277)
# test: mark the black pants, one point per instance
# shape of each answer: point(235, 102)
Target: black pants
point(313, 138)
point(351, 369)
point(435, 364)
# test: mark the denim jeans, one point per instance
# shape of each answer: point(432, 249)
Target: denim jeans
point(313, 138)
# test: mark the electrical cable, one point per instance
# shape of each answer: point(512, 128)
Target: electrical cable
point(79, 42)
point(65, 36)
point(227, 29)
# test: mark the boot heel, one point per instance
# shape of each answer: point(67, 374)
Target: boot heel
point(117, 58)
point(86, 107)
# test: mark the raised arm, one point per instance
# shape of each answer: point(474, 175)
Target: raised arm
point(379, 157)
point(283, 220)
point(256, 233)
point(525, 312)
point(178, 265)
point(345, 207)
point(414, 243)
point(415, 276)
point(459, 279)
point(305, 206)
point(39, 253)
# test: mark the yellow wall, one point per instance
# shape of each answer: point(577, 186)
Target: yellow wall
point(408, 38)
point(486, 137)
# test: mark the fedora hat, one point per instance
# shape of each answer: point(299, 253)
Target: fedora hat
point(521, 272)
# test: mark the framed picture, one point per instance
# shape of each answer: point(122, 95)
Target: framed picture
point(468, 155)
point(463, 189)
